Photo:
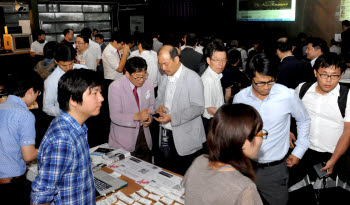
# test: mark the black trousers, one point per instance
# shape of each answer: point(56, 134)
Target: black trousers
point(173, 161)
point(141, 148)
point(17, 191)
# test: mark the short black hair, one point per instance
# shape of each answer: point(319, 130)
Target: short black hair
point(173, 53)
point(262, 65)
point(216, 45)
point(155, 34)
point(135, 64)
point(64, 53)
point(86, 32)
point(119, 37)
point(318, 43)
point(191, 39)
point(345, 23)
point(49, 49)
point(284, 46)
point(86, 39)
point(65, 31)
point(99, 36)
point(20, 83)
point(146, 42)
point(73, 84)
point(40, 32)
point(330, 59)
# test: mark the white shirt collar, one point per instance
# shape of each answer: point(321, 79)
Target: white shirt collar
point(215, 74)
point(335, 91)
point(313, 61)
point(132, 85)
point(112, 48)
point(176, 75)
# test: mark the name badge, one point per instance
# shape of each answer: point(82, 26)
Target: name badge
point(147, 94)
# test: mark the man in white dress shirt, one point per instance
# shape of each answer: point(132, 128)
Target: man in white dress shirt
point(93, 46)
point(213, 95)
point(329, 130)
point(113, 61)
point(64, 57)
point(327, 103)
point(85, 56)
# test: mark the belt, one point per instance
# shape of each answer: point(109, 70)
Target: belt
point(269, 164)
point(7, 180)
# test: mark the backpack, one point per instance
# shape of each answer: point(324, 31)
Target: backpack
point(342, 99)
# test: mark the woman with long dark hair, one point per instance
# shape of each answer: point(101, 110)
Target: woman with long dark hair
point(225, 175)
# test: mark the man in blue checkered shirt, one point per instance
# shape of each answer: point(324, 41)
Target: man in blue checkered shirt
point(65, 175)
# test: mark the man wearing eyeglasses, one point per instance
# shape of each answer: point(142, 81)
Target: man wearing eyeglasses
point(131, 100)
point(84, 54)
point(213, 95)
point(275, 103)
point(330, 125)
point(180, 104)
point(17, 135)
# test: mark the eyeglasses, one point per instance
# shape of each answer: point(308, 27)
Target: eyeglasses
point(143, 77)
point(219, 60)
point(263, 133)
point(325, 76)
point(260, 84)
point(80, 43)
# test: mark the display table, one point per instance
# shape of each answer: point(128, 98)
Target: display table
point(158, 186)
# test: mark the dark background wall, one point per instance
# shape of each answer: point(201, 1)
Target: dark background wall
point(314, 17)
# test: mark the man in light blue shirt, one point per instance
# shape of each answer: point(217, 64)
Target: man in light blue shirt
point(64, 57)
point(275, 103)
point(17, 135)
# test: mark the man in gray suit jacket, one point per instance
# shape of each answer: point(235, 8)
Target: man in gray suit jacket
point(180, 104)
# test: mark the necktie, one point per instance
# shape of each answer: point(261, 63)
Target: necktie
point(118, 54)
point(136, 97)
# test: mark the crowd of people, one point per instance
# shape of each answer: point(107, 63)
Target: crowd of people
point(244, 125)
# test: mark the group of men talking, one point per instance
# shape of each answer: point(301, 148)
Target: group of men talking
point(184, 105)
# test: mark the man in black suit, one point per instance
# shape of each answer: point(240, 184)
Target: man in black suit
point(345, 37)
point(315, 48)
point(291, 71)
point(189, 57)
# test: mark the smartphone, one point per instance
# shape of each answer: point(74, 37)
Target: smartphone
point(157, 115)
point(317, 168)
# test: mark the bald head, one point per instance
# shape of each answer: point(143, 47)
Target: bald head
point(169, 60)
point(169, 50)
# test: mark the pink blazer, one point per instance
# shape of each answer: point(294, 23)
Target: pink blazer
point(122, 107)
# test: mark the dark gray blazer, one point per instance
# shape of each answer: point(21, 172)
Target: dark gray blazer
point(191, 58)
